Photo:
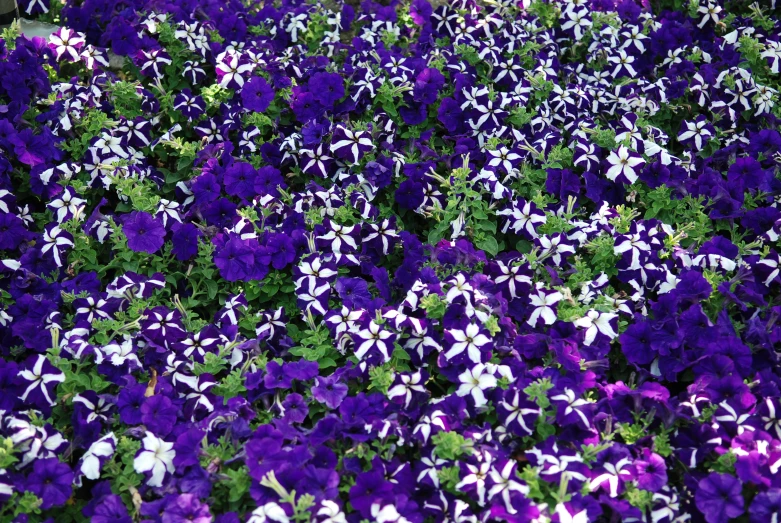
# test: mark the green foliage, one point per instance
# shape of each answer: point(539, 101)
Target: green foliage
point(538, 392)
point(451, 445)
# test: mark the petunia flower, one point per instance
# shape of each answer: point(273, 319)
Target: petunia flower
point(474, 381)
point(596, 322)
point(719, 497)
point(155, 458)
point(623, 165)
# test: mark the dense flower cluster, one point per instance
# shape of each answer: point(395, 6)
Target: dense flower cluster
point(477, 261)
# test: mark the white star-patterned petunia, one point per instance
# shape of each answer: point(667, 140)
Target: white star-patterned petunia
point(39, 377)
point(474, 381)
point(409, 383)
point(595, 322)
point(477, 474)
point(623, 162)
point(270, 512)
point(66, 42)
point(155, 457)
point(542, 302)
point(103, 448)
point(469, 340)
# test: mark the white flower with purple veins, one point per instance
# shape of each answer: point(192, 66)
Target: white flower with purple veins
point(517, 410)
point(42, 377)
point(579, 20)
point(709, 12)
point(634, 244)
point(66, 42)
point(625, 164)
point(697, 132)
point(543, 301)
point(329, 512)
point(350, 145)
point(156, 457)
point(570, 403)
point(476, 475)
point(312, 294)
point(153, 61)
point(410, 382)
point(230, 70)
point(505, 483)
point(515, 277)
point(340, 238)
point(554, 247)
point(613, 474)
point(67, 205)
point(474, 381)
point(596, 322)
point(96, 455)
point(469, 340)
point(522, 216)
point(565, 516)
point(33, 442)
point(504, 158)
point(374, 336)
point(118, 354)
point(623, 64)
point(773, 54)
point(459, 287)
point(386, 514)
point(316, 268)
point(586, 155)
point(55, 240)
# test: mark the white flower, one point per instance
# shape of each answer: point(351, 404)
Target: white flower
point(474, 381)
point(331, 512)
point(622, 162)
point(269, 512)
point(595, 322)
point(477, 476)
point(697, 130)
point(103, 448)
point(156, 457)
point(542, 301)
point(469, 340)
point(387, 514)
point(566, 517)
point(66, 42)
point(409, 382)
point(38, 379)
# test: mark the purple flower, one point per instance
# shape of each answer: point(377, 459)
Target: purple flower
point(651, 471)
point(51, 481)
point(185, 241)
point(766, 506)
point(294, 408)
point(719, 498)
point(326, 88)
point(186, 508)
point(144, 232)
point(329, 391)
point(158, 414)
point(235, 259)
point(257, 94)
point(427, 85)
point(239, 180)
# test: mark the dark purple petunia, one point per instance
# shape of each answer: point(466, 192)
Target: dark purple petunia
point(51, 480)
point(330, 391)
point(144, 232)
point(257, 94)
point(185, 241)
point(719, 497)
point(326, 88)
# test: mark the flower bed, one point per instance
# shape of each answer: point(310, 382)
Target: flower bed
point(328, 262)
